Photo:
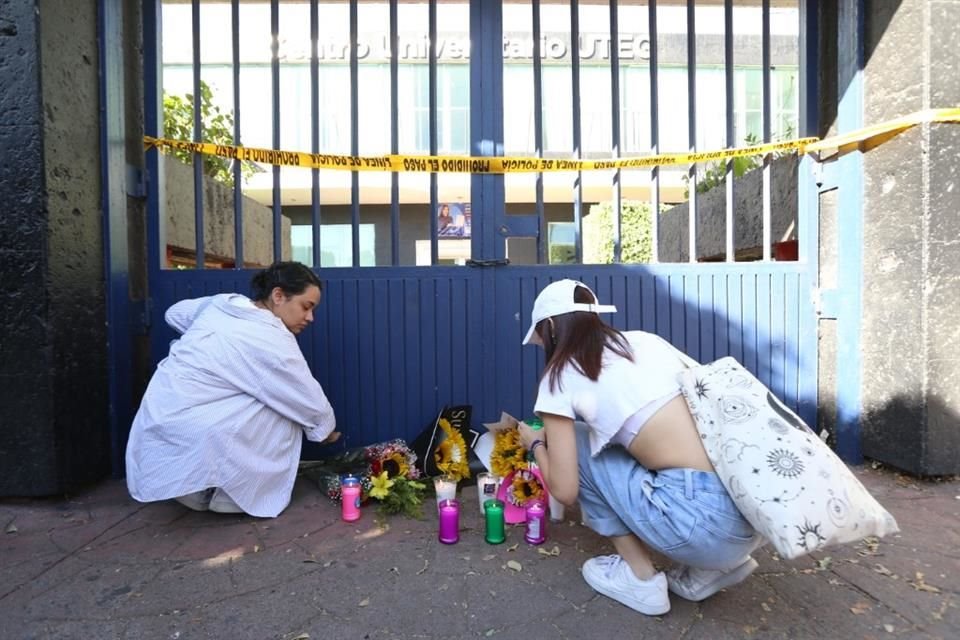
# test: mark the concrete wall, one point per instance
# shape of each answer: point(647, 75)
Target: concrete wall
point(911, 282)
point(218, 217)
point(748, 215)
point(53, 391)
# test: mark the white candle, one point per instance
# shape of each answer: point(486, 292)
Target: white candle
point(487, 485)
point(556, 509)
point(446, 488)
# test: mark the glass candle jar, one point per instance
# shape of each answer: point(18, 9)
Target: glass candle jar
point(449, 517)
point(493, 517)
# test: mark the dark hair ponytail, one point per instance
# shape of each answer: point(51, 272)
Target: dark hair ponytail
point(579, 338)
point(293, 279)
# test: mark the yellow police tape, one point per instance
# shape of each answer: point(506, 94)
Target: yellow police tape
point(865, 138)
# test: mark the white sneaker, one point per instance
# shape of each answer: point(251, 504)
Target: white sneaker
point(223, 503)
point(699, 584)
point(198, 500)
point(612, 577)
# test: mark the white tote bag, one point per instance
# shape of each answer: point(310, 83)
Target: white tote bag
point(785, 480)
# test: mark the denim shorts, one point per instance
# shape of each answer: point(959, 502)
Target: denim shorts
point(684, 514)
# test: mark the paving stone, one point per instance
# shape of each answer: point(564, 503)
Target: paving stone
point(102, 565)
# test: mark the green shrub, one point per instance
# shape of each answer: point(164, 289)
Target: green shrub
point(217, 129)
point(716, 173)
point(636, 240)
point(563, 254)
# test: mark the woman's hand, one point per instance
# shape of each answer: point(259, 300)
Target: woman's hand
point(333, 437)
point(528, 434)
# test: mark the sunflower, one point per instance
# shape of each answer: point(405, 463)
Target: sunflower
point(451, 454)
point(381, 486)
point(508, 453)
point(394, 457)
point(525, 486)
point(395, 464)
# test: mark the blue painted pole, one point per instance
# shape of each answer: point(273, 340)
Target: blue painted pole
point(116, 260)
point(808, 227)
point(850, 233)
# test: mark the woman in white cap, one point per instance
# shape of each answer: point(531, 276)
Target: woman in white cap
point(635, 462)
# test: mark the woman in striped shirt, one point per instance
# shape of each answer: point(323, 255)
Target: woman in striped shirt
point(221, 424)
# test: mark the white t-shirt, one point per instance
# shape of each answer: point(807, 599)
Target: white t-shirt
point(622, 389)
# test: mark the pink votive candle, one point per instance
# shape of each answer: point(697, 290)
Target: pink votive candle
point(449, 521)
point(350, 499)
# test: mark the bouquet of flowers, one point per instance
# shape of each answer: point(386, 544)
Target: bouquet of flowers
point(522, 481)
point(387, 472)
point(446, 446)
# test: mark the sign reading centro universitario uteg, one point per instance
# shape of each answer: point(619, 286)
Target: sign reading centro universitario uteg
point(453, 47)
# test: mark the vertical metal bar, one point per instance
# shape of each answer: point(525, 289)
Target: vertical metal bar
point(850, 232)
point(394, 132)
point(809, 31)
point(654, 73)
point(731, 140)
point(354, 131)
point(315, 131)
point(767, 116)
point(577, 142)
point(237, 164)
point(543, 240)
point(432, 121)
point(275, 76)
point(153, 126)
point(691, 129)
point(486, 136)
point(197, 137)
point(615, 125)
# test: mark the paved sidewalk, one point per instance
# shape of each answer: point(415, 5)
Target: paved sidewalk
point(99, 565)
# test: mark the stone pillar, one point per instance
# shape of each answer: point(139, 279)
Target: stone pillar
point(911, 253)
point(53, 373)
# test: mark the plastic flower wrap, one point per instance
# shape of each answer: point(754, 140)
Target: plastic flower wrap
point(509, 459)
point(450, 455)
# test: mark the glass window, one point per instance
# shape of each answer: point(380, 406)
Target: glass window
point(336, 245)
point(453, 108)
point(635, 109)
point(561, 242)
point(557, 110)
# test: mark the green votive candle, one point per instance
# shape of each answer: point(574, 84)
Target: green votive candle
point(493, 514)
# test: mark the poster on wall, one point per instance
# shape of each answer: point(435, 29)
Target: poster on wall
point(453, 220)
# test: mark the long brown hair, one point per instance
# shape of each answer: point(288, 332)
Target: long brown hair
point(579, 338)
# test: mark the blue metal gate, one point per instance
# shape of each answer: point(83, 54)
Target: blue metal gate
point(393, 344)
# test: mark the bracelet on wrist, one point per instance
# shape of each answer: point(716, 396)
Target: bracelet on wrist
point(536, 443)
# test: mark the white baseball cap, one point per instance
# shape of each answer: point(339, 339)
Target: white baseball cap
point(557, 298)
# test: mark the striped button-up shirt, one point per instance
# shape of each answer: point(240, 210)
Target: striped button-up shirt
point(226, 408)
